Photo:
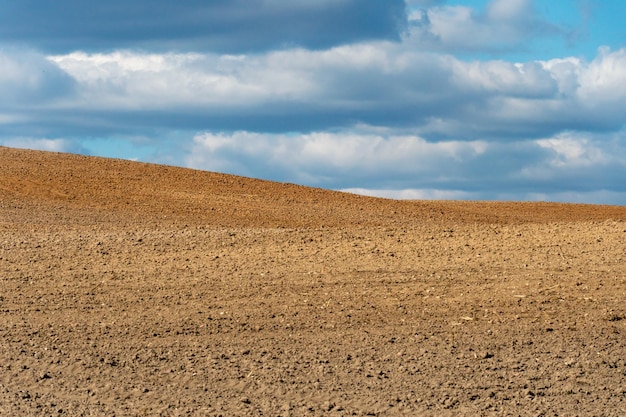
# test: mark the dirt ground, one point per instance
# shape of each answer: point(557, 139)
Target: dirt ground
point(136, 289)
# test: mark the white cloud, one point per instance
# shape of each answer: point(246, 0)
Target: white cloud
point(408, 167)
point(412, 194)
point(374, 83)
point(504, 25)
point(149, 81)
point(323, 158)
point(42, 144)
point(510, 10)
point(566, 73)
point(571, 151)
point(602, 80)
point(528, 80)
point(597, 197)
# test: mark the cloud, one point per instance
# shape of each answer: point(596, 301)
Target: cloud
point(602, 81)
point(330, 159)
point(423, 3)
point(504, 26)
point(130, 80)
point(202, 25)
point(28, 77)
point(597, 197)
point(44, 144)
point(392, 117)
point(573, 152)
point(378, 83)
point(412, 194)
point(399, 166)
point(583, 161)
point(31, 91)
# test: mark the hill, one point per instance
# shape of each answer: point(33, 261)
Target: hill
point(101, 185)
point(138, 289)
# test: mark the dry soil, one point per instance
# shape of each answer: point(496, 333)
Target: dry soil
point(137, 289)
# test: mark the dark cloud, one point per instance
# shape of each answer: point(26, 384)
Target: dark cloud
point(230, 26)
point(27, 78)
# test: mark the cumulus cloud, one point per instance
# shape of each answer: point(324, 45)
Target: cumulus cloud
point(503, 26)
point(573, 152)
point(331, 159)
point(374, 83)
point(152, 81)
point(602, 81)
point(400, 166)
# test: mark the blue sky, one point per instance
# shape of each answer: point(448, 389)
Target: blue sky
point(475, 99)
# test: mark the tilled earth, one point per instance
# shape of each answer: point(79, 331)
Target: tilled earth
point(136, 289)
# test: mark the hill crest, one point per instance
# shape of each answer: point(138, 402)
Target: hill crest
point(57, 181)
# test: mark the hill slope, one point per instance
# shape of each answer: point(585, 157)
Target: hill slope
point(53, 180)
point(137, 289)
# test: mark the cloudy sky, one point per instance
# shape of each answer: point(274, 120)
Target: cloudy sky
point(466, 99)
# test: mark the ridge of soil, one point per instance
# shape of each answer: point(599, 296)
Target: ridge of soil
point(138, 289)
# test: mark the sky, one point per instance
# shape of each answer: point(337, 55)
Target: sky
point(415, 99)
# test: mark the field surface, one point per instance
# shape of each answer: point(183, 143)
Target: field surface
point(137, 289)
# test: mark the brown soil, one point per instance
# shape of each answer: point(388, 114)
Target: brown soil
point(136, 289)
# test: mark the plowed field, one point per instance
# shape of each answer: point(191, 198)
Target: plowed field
point(137, 289)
